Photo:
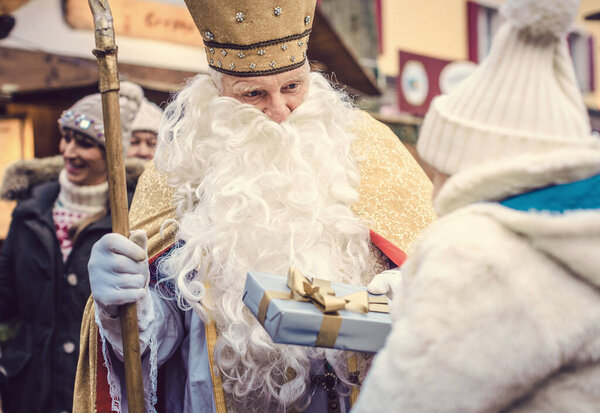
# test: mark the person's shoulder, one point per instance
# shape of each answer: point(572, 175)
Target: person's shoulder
point(394, 191)
point(152, 183)
point(457, 258)
point(376, 141)
point(466, 236)
point(366, 126)
point(151, 207)
point(40, 198)
point(22, 178)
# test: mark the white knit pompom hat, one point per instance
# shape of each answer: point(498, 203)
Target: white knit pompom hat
point(85, 116)
point(523, 97)
point(147, 118)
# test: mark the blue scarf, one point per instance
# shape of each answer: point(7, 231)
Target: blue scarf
point(578, 195)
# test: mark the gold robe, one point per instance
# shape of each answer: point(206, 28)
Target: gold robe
point(394, 201)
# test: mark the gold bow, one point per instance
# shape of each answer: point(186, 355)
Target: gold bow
point(320, 293)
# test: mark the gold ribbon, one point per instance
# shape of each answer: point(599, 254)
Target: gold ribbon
point(320, 293)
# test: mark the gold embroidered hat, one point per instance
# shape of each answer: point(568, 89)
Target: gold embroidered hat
point(254, 38)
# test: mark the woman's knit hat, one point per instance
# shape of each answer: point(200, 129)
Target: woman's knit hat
point(523, 98)
point(85, 116)
point(147, 118)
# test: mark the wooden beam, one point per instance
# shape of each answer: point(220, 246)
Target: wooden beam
point(24, 71)
point(328, 48)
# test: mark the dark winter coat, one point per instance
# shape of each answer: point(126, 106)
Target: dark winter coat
point(46, 297)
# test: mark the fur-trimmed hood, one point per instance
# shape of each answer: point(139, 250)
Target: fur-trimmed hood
point(499, 305)
point(22, 176)
point(571, 238)
point(494, 181)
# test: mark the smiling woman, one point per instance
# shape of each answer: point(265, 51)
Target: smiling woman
point(85, 160)
point(43, 265)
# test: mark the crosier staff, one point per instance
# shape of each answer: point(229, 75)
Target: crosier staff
point(106, 53)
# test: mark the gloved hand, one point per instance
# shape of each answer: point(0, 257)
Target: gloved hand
point(118, 271)
point(388, 282)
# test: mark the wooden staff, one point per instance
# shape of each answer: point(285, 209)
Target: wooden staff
point(106, 53)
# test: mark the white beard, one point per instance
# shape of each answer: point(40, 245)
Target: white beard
point(256, 195)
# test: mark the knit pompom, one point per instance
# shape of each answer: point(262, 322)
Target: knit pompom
point(542, 18)
point(130, 100)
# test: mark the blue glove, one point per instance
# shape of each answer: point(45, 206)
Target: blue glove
point(118, 271)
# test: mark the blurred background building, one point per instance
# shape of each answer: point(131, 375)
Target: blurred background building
point(429, 45)
point(394, 56)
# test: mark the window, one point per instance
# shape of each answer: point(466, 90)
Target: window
point(582, 51)
point(483, 20)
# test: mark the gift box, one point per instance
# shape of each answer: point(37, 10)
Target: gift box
point(300, 318)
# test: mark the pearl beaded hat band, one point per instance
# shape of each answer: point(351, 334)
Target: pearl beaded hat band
point(254, 38)
point(81, 122)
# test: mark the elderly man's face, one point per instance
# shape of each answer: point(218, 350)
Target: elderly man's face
point(275, 95)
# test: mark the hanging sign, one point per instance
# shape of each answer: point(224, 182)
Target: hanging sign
point(166, 21)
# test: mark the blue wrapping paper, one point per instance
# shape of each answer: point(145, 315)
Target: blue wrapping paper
point(297, 322)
